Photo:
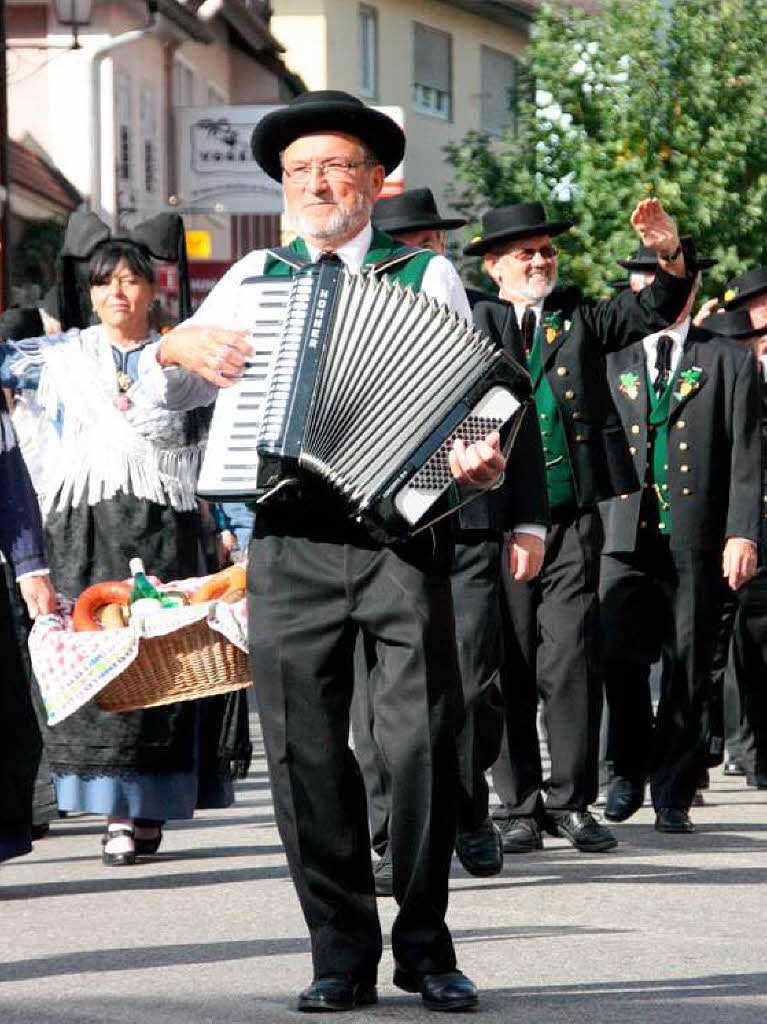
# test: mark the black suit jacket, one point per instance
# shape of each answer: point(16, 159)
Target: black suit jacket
point(714, 452)
point(522, 497)
point(574, 364)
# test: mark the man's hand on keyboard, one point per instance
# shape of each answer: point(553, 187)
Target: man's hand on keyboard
point(216, 354)
point(479, 464)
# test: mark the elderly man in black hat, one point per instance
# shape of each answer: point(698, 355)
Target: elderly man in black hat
point(519, 507)
point(688, 401)
point(316, 580)
point(551, 637)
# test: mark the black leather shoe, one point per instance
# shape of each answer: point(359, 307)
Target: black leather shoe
point(624, 798)
point(734, 767)
point(758, 780)
point(146, 847)
point(336, 992)
point(383, 877)
point(449, 992)
point(481, 851)
point(672, 819)
point(118, 860)
point(521, 835)
point(583, 830)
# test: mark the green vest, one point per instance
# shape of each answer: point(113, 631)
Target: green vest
point(559, 474)
point(656, 498)
point(409, 272)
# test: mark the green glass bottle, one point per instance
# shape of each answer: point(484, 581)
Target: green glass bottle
point(144, 597)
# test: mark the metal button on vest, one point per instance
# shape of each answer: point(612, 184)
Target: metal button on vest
point(683, 446)
point(680, 424)
point(543, 416)
point(632, 449)
point(634, 428)
point(686, 492)
point(661, 526)
point(577, 415)
point(643, 525)
point(569, 394)
point(684, 468)
point(624, 497)
point(580, 437)
point(562, 371)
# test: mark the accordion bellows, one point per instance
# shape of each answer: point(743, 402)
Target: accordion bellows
point(367, 386)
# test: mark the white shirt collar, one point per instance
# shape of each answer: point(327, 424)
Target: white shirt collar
point(678, 335)
point(763, 366)
point(537, 308)
point(352, 252)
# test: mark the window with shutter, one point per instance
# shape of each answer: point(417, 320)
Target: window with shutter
point(368, 51)
point(499, 87)
point(432, 71)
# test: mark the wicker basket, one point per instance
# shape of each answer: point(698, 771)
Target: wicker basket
point(193, 661)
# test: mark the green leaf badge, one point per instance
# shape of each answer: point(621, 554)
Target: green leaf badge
point(628, 384)
point(689, 381)
point(552, 324)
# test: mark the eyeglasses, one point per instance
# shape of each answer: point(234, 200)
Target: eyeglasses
point(548, 252)
point(331, 170)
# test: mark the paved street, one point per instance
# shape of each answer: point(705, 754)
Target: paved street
point(664, 929)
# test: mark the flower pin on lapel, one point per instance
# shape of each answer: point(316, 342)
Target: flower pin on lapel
point(552, 325)
point(689, 381)
point(730, 294)
point(628, 384)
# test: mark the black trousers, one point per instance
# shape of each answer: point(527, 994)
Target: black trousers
point(550, 640)
point(728, 724)
point(475, 584)
point(748, 669)
point(308, 602)
point(657, 602)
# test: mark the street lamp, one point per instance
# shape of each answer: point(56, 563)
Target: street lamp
point(74, 13)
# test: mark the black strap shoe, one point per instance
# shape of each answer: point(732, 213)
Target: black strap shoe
point(336, 992)
point(521, 835)
point(119, 860)
point(583, 831)
point(672, 819)
point(481, 851)
point(624, 798)
point(449, 991)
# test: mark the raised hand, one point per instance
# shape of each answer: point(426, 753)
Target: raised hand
point(656, 229)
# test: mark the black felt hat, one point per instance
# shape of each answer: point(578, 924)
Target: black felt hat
point(19, 323)
point(414, 210)
point(507, 223)
point(733, 324)
point(747, 286)
point(326, 110)
point(646, 259)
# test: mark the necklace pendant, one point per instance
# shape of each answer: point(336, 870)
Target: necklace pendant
point(124, 382)
point(122, 403)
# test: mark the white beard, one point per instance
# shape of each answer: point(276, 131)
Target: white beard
point(338, 225)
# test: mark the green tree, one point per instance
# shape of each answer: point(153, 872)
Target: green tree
point(641, 98)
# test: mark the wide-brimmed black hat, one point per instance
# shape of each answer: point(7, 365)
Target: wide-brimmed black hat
point(414, 210)
point(326, 110)
point(733, 324)
point(646, 259)
point(507, 223)
point(747, 286)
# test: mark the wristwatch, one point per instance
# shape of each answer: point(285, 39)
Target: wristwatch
point(671, 256)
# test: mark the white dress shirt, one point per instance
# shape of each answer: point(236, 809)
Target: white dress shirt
point(520, 308)
point(678, 335)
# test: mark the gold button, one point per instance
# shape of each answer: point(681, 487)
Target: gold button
point(686, 492)
point(684, 468)
point(543, 416)
point(664, 487)
point(623, 497)
point(632, 449)
point(665, 466)
point(577, 415)
point(562, 371)
point(764, 498)
point(643, 525)
point(634, 428)
point(683, 446)
point(680, 424)
point(580, 437)
point(569, 394)
point(661, 526)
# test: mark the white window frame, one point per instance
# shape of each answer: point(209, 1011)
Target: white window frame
point(427, 99)
point(367, 51)
point(181, 66)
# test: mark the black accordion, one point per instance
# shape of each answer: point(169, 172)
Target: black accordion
point(360, 383)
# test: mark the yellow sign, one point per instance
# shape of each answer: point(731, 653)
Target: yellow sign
point(199, 245)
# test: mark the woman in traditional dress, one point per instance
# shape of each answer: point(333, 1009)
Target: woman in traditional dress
point(122, 485)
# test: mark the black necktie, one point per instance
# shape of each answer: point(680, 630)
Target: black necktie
point(329, 257)
point(528, 329)
point(663, 363)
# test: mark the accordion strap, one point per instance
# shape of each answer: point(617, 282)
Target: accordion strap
point(284, 254)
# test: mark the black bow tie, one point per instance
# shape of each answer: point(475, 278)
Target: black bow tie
point(663, 363)
point(528, 329)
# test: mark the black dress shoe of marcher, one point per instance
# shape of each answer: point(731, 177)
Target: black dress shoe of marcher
point(118, 860)
point(624, 798)
point(758, 780)
point(146, 847)
point(733, 768)
point(383, 877)
point(583, 830)
point(672, 819)
point(481, 851)
point(336, 992)
point(449, 992)
point(521, 835)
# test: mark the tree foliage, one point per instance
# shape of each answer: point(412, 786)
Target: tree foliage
point(639, 99)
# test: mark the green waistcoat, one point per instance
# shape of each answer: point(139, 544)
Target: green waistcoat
point(656, 503)
point(408, 273)
point(559, 473)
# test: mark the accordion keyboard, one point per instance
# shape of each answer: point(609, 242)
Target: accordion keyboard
point(230, 467)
